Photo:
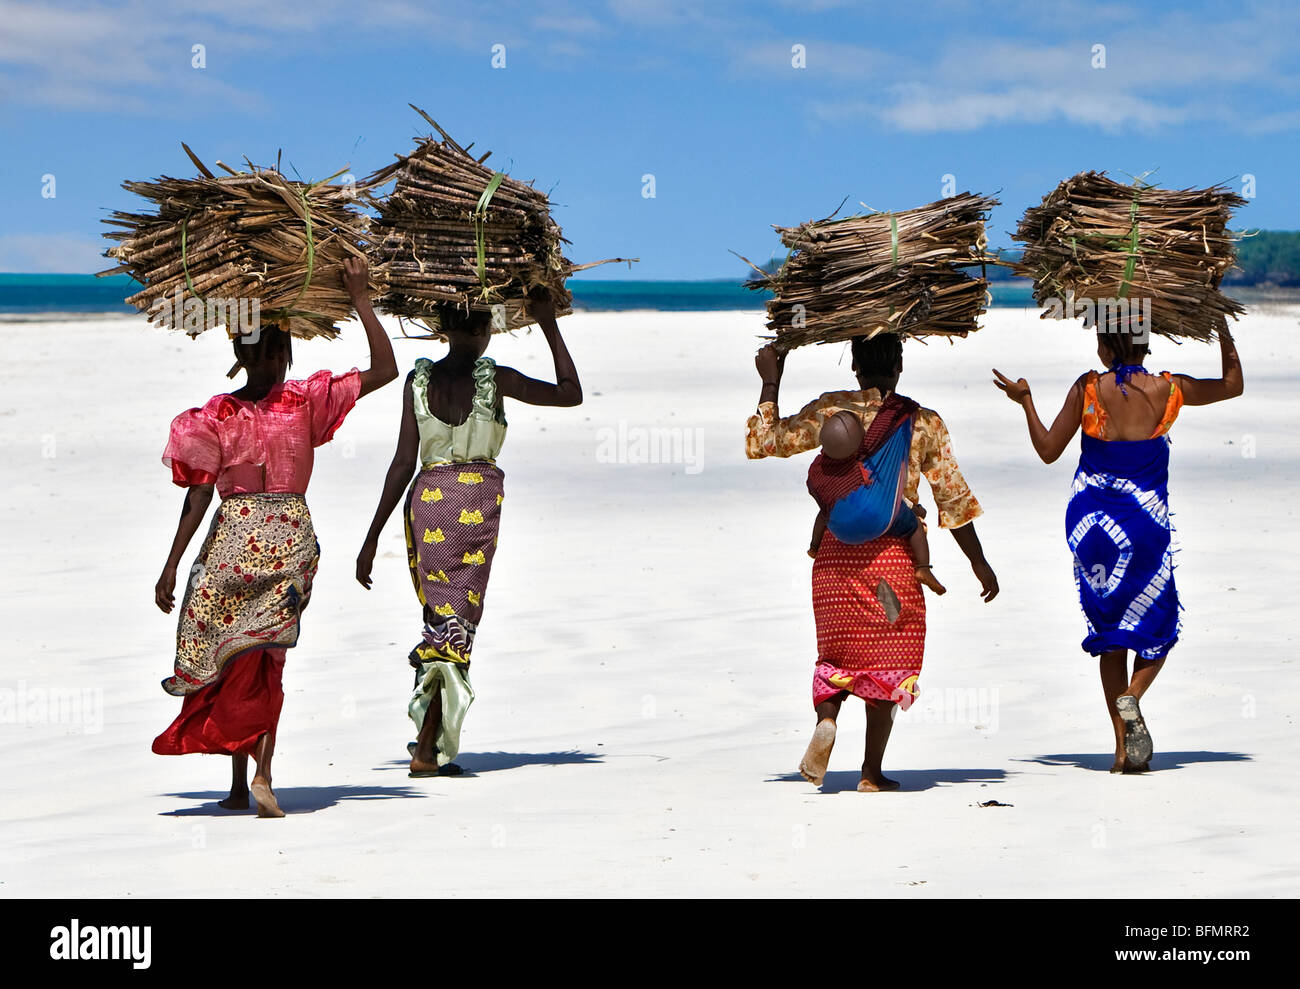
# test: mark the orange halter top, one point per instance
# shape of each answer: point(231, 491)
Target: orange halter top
point(1094, 414)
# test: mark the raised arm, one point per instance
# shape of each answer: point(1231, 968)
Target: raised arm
point(1048, 443)
point(770, 363)
point(197, 500)
point(769, 435)
point(398, 476)
point(567, 390)
point(383, 365)
point(1207, 391)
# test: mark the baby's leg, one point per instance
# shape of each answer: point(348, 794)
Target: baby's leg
point(920, 547)
point(819, 530)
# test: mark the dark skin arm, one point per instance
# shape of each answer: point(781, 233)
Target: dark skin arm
point(567, 390)
point(1048, 443)
point(197, 500)
point(969, 543)
point(1207, 391)
point(383, 365)
point(399, 475)
point(770, 363)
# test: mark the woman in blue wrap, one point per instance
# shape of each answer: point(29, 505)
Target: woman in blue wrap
point(1117, 521)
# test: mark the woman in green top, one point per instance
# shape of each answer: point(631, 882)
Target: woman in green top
point(453, 428)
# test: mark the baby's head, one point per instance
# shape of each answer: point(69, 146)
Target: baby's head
point(841, 436)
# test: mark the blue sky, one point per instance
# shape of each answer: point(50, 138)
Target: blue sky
point(701, 95)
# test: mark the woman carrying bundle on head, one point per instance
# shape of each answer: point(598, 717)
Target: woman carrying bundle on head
point(253, 576)
point(453, 428)
point(867, 599)
point(1117, 521)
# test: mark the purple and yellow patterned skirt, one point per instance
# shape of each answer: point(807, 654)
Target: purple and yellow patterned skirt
point(453, 513)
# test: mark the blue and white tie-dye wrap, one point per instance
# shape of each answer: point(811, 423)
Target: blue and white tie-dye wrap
point(1117, 526)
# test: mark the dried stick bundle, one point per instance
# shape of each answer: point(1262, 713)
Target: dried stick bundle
point(239, 248)
point(1162, 252)
point(455, 232)
point(898, 273)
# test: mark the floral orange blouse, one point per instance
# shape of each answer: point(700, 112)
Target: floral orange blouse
point(767, 435)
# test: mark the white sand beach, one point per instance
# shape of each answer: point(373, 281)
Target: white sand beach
point(643, 669)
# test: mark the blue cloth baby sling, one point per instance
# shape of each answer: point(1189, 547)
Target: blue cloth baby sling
point(872, 510)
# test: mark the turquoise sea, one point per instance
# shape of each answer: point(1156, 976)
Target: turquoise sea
point(37, 295)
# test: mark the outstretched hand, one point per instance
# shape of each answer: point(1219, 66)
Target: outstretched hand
point(1017, 390)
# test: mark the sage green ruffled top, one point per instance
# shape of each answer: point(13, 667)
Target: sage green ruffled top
point(479, 437)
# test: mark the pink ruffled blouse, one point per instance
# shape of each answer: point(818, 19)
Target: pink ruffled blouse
point(251, 447)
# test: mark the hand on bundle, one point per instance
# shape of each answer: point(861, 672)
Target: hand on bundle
point(539, 301)
point(770, 363)
point(356, 279)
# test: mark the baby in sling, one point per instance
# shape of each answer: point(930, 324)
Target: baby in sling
point(858, 481)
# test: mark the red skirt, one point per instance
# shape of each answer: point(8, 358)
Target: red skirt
point(870, 614)
point(229, 716)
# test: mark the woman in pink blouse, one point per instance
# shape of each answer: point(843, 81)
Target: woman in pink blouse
point(252, 578)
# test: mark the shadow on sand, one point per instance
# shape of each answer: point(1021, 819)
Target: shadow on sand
point(477, 763)
point(912, 780)
point(1159, 760)
point(292, 799)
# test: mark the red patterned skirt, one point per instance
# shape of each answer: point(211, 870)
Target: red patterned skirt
point(870, 616)
point(241, 608)
point(230, 716)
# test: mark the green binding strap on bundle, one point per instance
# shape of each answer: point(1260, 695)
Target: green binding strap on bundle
point(1133, 246)
point(291, 309)
point(282, 312)
point(480, 215)
point(185, 266)
point(893, 242)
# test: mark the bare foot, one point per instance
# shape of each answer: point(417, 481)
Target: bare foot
point(420, 769)
point(926, 576)
point(236, 801)
point(266, 803)
point(877, 784)
point(813, 765)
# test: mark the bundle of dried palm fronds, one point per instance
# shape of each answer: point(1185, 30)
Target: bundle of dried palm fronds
point(903, 273)
point(1094, 241)
point(245, 247)
point(455, 232)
